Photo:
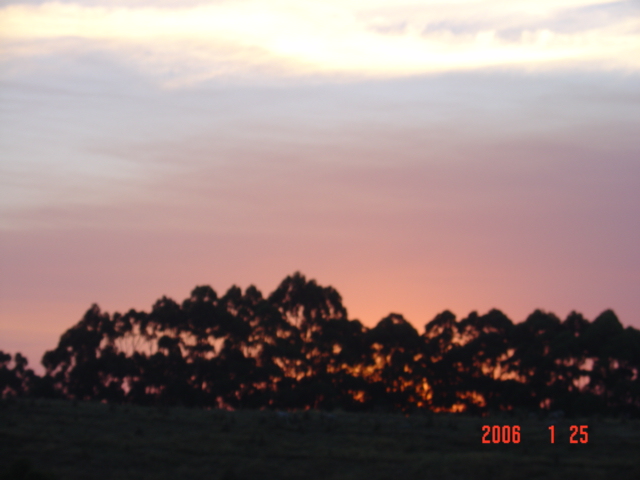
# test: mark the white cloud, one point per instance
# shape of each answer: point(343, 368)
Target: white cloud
point(353, 38)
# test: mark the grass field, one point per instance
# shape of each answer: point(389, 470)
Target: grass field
point(65, 440)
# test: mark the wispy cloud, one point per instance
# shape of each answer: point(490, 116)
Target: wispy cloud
point(188, 43)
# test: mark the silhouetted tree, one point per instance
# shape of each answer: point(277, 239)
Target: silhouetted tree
point(481, 362)
point(297, 348)
point(614, 351)
point(392, 369)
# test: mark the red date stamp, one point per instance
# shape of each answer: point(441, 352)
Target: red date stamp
point(511, 434)
point(501, 434)
point(574, 430)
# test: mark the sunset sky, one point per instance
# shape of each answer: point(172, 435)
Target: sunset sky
point(417, 156)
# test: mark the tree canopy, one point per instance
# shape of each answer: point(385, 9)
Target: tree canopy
point(298, 349)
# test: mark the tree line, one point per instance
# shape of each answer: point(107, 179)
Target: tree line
point(297, 349)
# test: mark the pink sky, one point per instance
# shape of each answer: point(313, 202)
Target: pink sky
point(469, 189)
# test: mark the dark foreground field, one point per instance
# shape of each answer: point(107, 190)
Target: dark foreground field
point(63, 440)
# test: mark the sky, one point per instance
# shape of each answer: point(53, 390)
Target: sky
point(417, 156)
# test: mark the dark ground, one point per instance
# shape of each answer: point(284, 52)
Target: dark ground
point(59, 439)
